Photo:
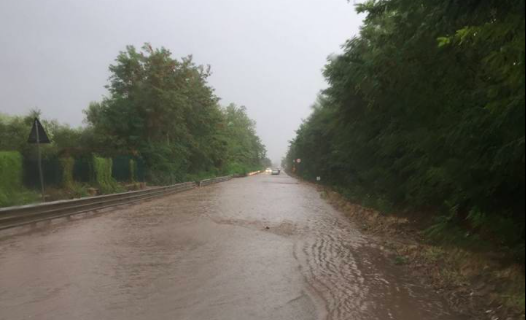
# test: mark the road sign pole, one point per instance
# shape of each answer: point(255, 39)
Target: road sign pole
point(40, 163)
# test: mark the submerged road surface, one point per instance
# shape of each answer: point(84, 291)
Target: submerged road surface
point(261, 248)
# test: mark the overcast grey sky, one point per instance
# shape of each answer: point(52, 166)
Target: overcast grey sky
point(265, 54)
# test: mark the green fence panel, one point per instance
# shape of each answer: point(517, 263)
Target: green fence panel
point(123, 171)
point(142, 170)
point(83, 170)
point(51, 170)
point(121, 168)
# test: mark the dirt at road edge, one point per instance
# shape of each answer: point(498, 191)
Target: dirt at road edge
point(475, 285)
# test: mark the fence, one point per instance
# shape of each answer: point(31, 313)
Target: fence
point(125, 169)
point(52, 172)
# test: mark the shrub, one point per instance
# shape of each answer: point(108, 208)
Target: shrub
point(11, 190)
point(10, 170)
point(102, 169)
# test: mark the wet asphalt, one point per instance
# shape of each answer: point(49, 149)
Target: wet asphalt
point(259, 248)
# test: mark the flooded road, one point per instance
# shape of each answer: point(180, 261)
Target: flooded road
point(260, 248)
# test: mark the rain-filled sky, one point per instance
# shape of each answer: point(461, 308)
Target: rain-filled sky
point(265, 54)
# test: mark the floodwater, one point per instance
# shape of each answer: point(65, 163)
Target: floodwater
point(260, 248)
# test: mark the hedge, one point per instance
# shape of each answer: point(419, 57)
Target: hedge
point(11, 172)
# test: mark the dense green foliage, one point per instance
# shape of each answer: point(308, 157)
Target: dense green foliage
point(425, 109)
point(103, 179)
point(161, 113)
point(163, 110)
point(244, 151)
point(14, 132)
point(11, 189)
point(10, 171)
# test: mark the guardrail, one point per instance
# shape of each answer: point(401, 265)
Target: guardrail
point(26, 215)
point(209, 182)
point(21, 216)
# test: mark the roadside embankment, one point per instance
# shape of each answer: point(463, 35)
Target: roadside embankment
point(478, 284)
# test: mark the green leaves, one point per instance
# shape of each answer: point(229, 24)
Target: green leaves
point(444, 41)
point(243, 146)
point(164, 110)
point(426, 107)
point(11, 189)
point(102, 169)
point(159, 109)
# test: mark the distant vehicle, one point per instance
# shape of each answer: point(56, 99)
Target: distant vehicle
point(276, 172)
point(269, 170)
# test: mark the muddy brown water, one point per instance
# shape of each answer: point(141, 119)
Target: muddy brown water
point(261, 248)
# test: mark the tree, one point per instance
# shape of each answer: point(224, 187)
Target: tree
point(163, 110)
point(426, 109)
point(244, 147)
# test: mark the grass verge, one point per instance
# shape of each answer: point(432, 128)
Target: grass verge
point(481, 284)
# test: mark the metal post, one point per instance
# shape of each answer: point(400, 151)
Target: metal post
point(40, 163)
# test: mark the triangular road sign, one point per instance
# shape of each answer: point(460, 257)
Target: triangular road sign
point(38, 134)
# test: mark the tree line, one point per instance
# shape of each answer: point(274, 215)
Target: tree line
point(425, 111)
point(160, 110)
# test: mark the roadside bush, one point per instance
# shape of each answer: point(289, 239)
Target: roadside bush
point(237, 169)
point(202, 176)
point(11, 190)
point(102, 169)
point(10, 170)
point(78, 191)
